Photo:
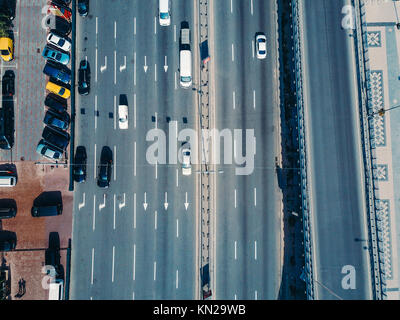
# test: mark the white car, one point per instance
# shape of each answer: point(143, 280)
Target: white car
point(123, 116)
point(261, 46)
point(164, 15)
point(186, 165)
point(58, 41)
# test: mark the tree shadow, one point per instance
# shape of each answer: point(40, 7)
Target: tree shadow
point(48, 198)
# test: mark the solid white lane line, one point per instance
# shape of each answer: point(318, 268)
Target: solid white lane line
point(115, 112)
point(94, 165)
point(114, 213)
point(134, 210)
point(134, 261)
point(95, 112)
point(255, 250)
point(235, 198)
point(235, 250)
point(254, 99)
point(134, 159)
point(177, 228)
point(155, 271)
point(233, 53)
point(155, 220)
point(115, 67)
point(91, 277)
point(94, 212)
point(134, 110)
point(177, 279)
point(115, 163)
point(234, 100)
point(255, 197)
point(113, 263)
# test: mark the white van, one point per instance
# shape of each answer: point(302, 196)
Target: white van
point(164, 12)
point(7, 180)
point(56, 290)
point(185, 59)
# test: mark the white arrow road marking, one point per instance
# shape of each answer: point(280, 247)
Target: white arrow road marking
point(103, 68)
point(102, 205)
point(82, 204)
point(165, 64)
point(145, 202)
point(145, 64)
point(122, 204)
point(166, 201)
point(186, 202)
point(123, 67)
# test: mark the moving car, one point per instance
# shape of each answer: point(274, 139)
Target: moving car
point(55, 55)
point(80, 164)
point(83, 7)
point(105, 167)
point(57, 71)
point(261, 46)
point(6, 48)
point(49, 151)
point(57, 89)
point(56, 119)
point(186, 162)
point(164, 12)
point(123, 116)
point(56, 137)
point(84, 78)
point(58, 41)
point(55, 102)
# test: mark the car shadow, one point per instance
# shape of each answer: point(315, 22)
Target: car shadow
point(48, 198)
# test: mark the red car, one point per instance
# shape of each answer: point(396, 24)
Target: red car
point(60, 11)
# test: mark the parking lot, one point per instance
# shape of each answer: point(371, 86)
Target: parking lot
point(35, 173)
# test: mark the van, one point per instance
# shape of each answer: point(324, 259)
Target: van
point(47, 210)
point(164, 14)
point(56, 290)
point(185, 57)
point(6, 213)
point(7, 180)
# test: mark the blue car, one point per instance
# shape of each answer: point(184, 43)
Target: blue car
point(55, 55)
point(58, 72)
point(49, 151)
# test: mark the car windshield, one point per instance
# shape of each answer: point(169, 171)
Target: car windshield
point(164, 15)
point(62, 91)
point(262, 51)
point(61, 42)
point(4, 52)
point(186, 79)
point(58, 56)
point(58, 123)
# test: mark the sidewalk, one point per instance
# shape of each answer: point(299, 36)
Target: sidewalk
point(383, 68)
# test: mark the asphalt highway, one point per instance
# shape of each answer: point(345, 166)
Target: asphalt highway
point(335, 156)
point(136, 239)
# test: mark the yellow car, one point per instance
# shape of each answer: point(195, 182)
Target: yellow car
point(61, 91)
point(6, 48)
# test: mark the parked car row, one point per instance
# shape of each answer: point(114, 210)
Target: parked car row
point(55, 138)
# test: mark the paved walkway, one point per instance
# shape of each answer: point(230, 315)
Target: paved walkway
point(384, 92)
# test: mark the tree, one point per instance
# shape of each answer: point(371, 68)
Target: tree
point(5, 24)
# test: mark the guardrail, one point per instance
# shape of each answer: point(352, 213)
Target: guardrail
point(308, 253)
point(361, 42)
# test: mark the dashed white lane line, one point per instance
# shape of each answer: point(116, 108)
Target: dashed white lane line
point(94, 212)
point(254, 99)
point(134, 159)
point(95, 114)
point(174, 32)
point(115, 30)
point(155, 271)
point(113, 264)
point(251, 7)
point(235, 198)
point(177, 228)
point(252, 47)
point(235, 250)
point(176, 83)
point(114, 212)
point(177, 177)
point(134, 26)
point(115, 67)
point(94, 164)
point(155, 220)
point(155, 25)
point(233, 53)
point(177, 279)
point(255, 250)
point(95, 66)
point(134, 69)
point(134, 110)
point(115, 112)
point(234, 100)
point(155, 72)
point(231, 6)
point(134, 211)
point(134, 261)
point(91, 276)
point(255, 197)
point(115, 163)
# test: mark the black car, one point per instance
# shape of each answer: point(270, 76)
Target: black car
point(7, 245)
point(80, 164)
point(58, 25)
point(56, 103)
point(56, 137)
point(8, 83)
point(84, 78)
point(83, 7)
point(105, 168)
point(56, 119)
